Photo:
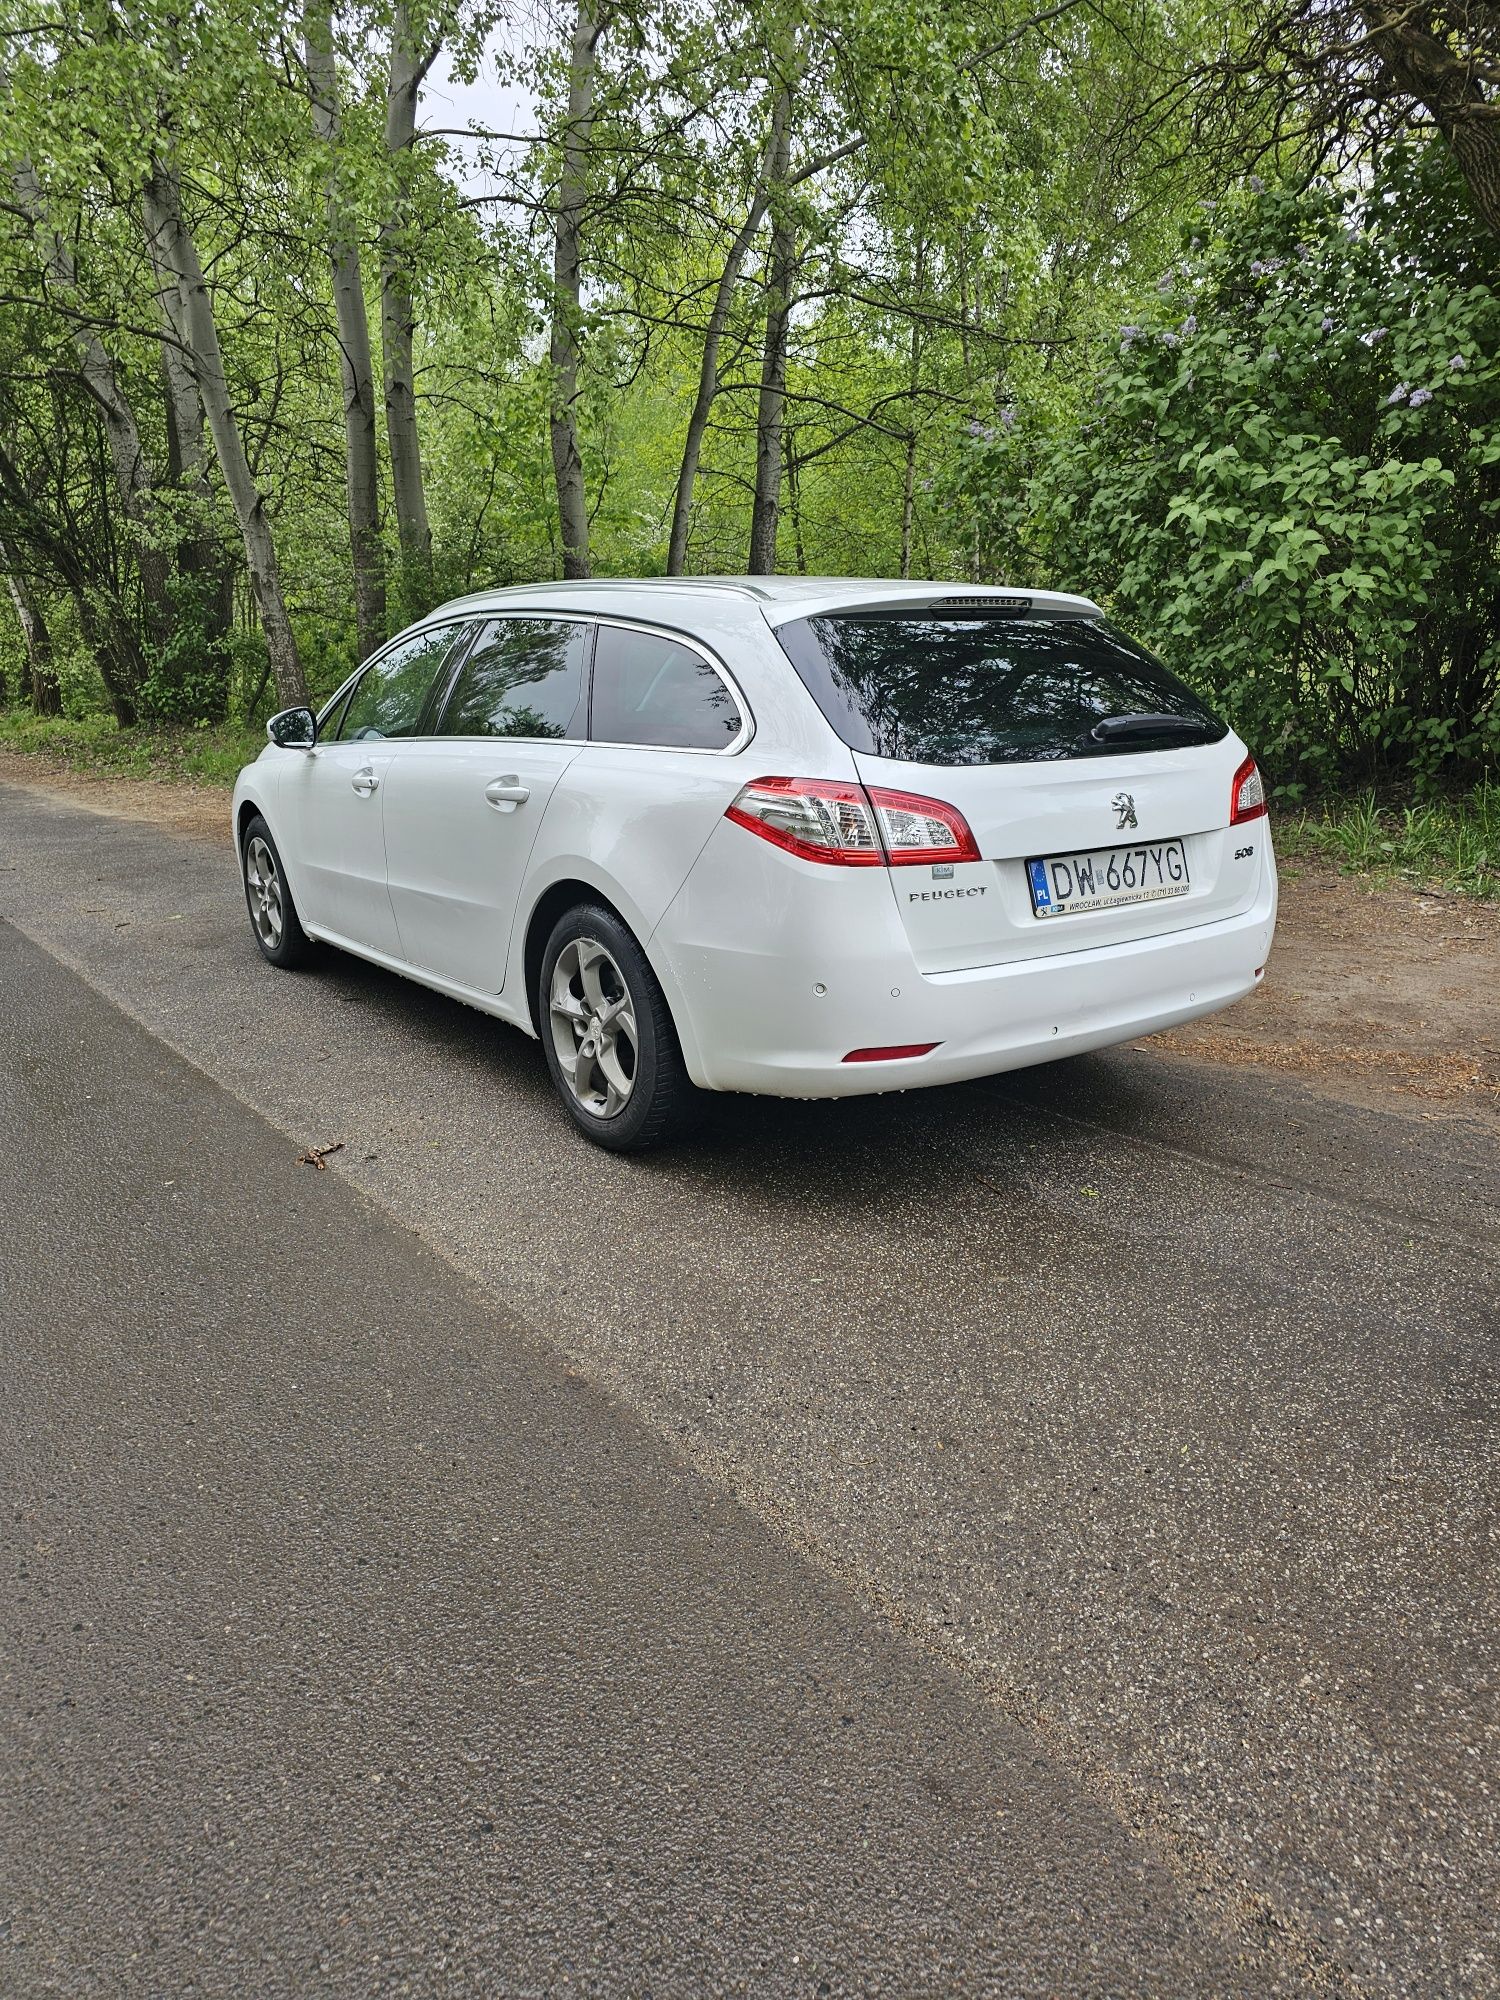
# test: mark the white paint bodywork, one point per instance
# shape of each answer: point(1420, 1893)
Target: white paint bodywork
point(774, 967)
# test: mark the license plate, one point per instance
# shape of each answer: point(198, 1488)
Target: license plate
point(1104, 877)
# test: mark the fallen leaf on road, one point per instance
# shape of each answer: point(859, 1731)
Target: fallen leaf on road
point(317, 1156)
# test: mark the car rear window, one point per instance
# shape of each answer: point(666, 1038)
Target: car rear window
point(991, 690)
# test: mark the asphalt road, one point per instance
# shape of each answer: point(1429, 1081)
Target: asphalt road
point(1121, 1435)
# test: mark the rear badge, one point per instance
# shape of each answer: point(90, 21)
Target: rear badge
point(1123, 805)
point(942, 871)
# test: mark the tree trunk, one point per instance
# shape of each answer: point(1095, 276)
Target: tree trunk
point(567, 462)
point(45, 696)
point(791, 474)
point(361, 467)
point(908, 494)
point(173, 242)
point(772, 405)
point(132, 469)
point(398, 317)
point(198, 554)
point(913, 383)
point(718, 319)
point(1441, 77)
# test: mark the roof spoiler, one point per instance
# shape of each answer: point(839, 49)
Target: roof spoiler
point(944, 604)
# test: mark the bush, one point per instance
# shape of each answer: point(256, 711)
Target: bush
point(1288, 480)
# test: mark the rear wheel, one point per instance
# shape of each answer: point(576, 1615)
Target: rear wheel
point(268, 897)
point(608, 1036)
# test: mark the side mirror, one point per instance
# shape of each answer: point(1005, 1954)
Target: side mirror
point(293, 729)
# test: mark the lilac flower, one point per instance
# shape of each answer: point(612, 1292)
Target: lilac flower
point(1190, 324)
point(1419, 397)
point(1128, 334)
point(1008, 418)
point(1257, 269)
point(1458, 363)
point(1327, 324)
point(976, 428)
point(1196, 244)
point(1164, 282)
point(1170, 340)
point(1375, 333)
point(988, 433)
point(1257, 183)
point(1400, 393)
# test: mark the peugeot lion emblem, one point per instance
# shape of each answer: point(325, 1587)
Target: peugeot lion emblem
point(1124, 806)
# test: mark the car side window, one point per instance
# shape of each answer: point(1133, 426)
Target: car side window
point(390, 695)
point(524, 677)
point(650, 690)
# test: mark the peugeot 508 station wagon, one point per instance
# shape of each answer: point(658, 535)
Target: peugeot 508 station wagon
point(804, 836)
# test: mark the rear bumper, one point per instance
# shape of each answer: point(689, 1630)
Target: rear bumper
point(772, 991)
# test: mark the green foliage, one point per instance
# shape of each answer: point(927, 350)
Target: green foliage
point(188, 678)
point(1285, 472)
point(1446, 843)
point(1288, 477)
point(204, 755)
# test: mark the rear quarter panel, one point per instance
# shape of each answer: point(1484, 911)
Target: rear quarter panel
point(630, 823)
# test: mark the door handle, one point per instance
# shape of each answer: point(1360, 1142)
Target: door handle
point(365, 782)
point(505, 794)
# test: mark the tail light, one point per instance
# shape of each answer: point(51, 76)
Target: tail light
point(1247, 795)
point(813, 817)
point(850, 826)
point(916, 829)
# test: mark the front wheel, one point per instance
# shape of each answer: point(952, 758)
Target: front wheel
point(268, 897)
point(607, 1035)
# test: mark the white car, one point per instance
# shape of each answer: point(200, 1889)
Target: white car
point(805, 836)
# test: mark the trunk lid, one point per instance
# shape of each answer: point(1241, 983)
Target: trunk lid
point(980, 912)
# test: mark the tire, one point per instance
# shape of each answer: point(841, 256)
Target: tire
point(268, 897)
point(592, 966)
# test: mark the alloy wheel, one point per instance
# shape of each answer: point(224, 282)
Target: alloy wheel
point(263, 883)
point(593, 1027)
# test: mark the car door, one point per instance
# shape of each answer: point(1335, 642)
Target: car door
point(332, 797)
point(463, 803)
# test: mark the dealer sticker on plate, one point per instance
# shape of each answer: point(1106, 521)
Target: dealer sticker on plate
point(1105, 877)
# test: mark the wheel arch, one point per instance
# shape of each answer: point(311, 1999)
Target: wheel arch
point(561, 895)
point(247, 810)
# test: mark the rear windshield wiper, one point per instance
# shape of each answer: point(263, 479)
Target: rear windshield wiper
point(1133, 728)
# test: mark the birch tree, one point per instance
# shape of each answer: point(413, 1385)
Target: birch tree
point(409, 65)
point(356, 369)
point(567, 289)
point(173, 249)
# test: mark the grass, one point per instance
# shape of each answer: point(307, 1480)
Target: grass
point(210, 756)
point(1448, 844)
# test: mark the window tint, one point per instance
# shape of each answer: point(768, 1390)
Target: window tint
point(389, 696)
point(985, 690)
point(651, 690)
point(525, 677)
